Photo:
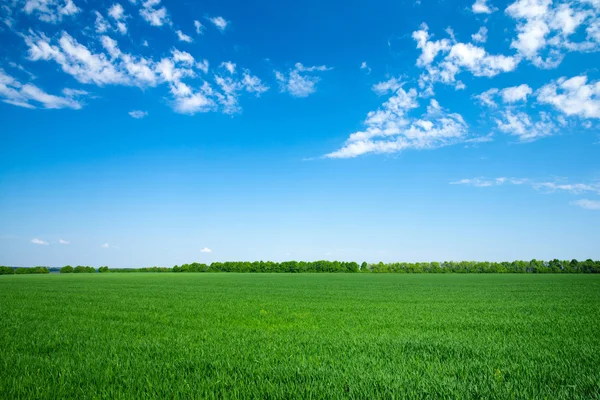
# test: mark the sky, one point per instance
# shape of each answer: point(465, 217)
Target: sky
point(140, 133)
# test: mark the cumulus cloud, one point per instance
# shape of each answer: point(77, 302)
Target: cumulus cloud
point(117, 13)
point(153, 14)
point(509, 95)
point(51, 11)
point(456, 58)
point(521, 124)
point(206, 250)
point(487, 98)
point(30, 96)
point(219, 22)
point(183, 37)
point(39, 241)
point(587, 204)
point(481, 35)
point(482, 7)
point(297, 82)
point(545, 29)
point(515, 93)
point(115, 67)
point(391, 128)
point(573, 97)
point(138, 114)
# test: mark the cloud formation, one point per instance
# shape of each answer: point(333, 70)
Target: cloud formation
point(393, 128)
point(30, 96)
point(298, 81)
point(138, 114)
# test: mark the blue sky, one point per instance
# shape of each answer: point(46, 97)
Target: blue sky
point(157, 133)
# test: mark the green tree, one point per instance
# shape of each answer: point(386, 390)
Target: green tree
point(67, 269)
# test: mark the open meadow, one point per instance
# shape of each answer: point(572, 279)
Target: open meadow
point(299, 336)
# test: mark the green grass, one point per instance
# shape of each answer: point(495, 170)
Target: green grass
point(303, 336)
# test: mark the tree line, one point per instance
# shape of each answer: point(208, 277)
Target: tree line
point(534, 266)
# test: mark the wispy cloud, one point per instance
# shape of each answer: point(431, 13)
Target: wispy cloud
point(365, 67)
point(220, 23)
point(587, 204)
point(62, 241)
point(183, 37)
point(30, 96)
point(199, 27)
point(297, 82)
point(39, 241)
point(138, 114)
point(541, 186)
point(206, 250)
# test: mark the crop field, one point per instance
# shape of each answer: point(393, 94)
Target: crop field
point(226, 335)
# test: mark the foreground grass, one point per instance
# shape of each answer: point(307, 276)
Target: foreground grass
point(299, 336)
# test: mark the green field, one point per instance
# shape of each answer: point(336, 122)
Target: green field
point(299, 336)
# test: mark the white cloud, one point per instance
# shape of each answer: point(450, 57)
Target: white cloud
point(39, 241)
point(138, 114)
point(587, 204)
point(117, 13)
point(481, 7)
point(477, 182)
point(364, 66)
point(75, 59)
point(153, 15)
point(545, 29)
point(199, 27)
point(61, 241)
point(520, 124)
point(487, 98)
point(542, 186)
point(297, 82)
point(573, 97)
point(183, 37)
point(14, 92)
point(457, 57)
point(206, 250)
point(481, 35)
point(105, 246)
point(391, 129)
point(229, 66)
point(219, 22)
point(115, 67)
point(101, 23)
point(575, 188)
point(231, 86)
point(51, 11)
point(515, 93)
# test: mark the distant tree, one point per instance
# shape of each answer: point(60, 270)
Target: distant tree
point(103, 269)
point(67, 269)
point(7, 271)
point(80, 269)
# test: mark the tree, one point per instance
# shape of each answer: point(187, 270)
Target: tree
point(7, 271)
point(67, 269)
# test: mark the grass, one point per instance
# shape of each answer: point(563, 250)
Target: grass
point(299, 336)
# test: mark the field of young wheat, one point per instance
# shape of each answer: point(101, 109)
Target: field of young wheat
point(299, 336)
